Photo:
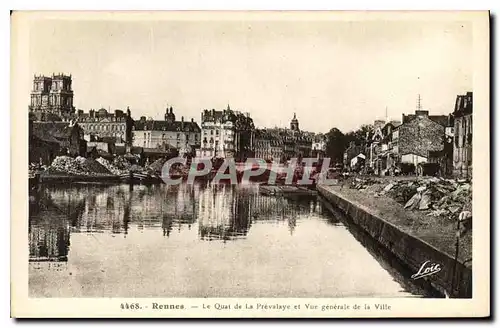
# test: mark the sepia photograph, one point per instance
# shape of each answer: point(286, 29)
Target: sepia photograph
point(250, 164)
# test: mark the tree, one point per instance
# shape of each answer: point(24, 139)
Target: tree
point(359, 135)
point(336, 144)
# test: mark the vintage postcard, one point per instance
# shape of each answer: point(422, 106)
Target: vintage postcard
point(250, 164)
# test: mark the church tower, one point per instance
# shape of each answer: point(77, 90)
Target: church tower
point(294, 124)
point(169, 115)
point(52, 95)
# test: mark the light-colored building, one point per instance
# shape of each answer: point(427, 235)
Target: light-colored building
point(182, 135)
point(218, 134)
point(318, 148)
point(226, 134)
point(98, 124)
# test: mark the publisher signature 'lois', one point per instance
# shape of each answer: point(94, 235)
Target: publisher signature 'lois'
point(426, 269)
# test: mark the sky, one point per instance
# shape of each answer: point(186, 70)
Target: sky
point(330, 73)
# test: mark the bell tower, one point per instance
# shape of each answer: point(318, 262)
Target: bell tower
point(169, 115)
point(294, 124)
point(61, 94)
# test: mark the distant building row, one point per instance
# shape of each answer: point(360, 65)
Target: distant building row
point(223, 133)
point(419, 138)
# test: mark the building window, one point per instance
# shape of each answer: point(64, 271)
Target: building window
point(178, 135)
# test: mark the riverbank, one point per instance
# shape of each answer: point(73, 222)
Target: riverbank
point(412, 237)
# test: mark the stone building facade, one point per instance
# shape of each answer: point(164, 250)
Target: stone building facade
point(417, 136)
point(268, 145)
point(278, 144)
point(52, 96)
point(99, 124)
point(462, 145)
point(169, 133)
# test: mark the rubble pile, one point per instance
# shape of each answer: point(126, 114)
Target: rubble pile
point(121, 163)
point(177, 169)
point(77, 166)
point(111, 167)
point(157, 165)
point(358, 183)
point(182, 170)
point(134, 168)
point(91, 166)
point(442, 197)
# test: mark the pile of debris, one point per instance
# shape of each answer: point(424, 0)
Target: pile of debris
point(177, 169)
point(358, 183)
point(121, 163)
point(111, 167)
point(77, 166)
point(442, 197)
point(157, 165)
point(134, 168)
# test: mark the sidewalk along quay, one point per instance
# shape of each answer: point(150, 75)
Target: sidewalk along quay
point(422, 234)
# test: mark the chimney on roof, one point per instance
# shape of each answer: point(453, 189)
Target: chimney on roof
point(182, 122)
point(422, 112)
point(192, 120)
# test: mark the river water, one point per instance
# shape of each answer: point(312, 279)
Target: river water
point(196, 241)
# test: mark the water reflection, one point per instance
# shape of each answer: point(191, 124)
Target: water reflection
point(194, 241)
point(219, 212)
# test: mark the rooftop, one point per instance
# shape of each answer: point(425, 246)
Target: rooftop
point(178, 126)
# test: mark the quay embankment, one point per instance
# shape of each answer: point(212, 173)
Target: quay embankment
point(413, 236)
